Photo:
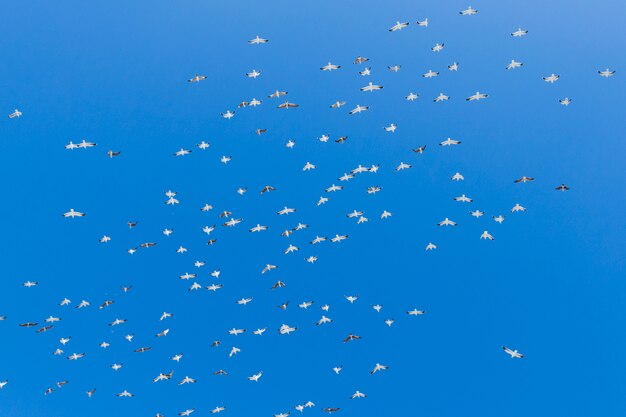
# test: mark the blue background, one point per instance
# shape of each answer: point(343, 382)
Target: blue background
point(550, 285)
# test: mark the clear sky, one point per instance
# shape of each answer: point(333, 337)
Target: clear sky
point(551, 284)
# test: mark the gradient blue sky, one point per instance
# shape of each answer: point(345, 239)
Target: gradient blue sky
point(551, 284)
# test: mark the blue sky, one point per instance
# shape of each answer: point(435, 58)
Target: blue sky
point(550, 285)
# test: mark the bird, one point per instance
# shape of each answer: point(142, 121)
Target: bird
point(512, 353)
point(398, 26)
point(197, 78)
point(485, 235)
point(438, 47)
point(562, 187)
point(258, 41)
point(358, 394)
point(411, 96)
point(358, 109)
point(371, 87)
point(449, 142)
point(15, 114)
point(446, 222)
point(255, 377)
point(330, 67)
point(378, 367)
point(519, 33)
point(73, 214)
point(606, 73)
point(514, 64)
point(468, 12)
point(552, 78)
point(477, 96)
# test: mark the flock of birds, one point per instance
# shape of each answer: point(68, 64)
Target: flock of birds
point(229, 220)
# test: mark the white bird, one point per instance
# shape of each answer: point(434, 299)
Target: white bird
point(606, 73)
point(324, 320)
point(16, 113)
point(3, 383)
point(398, 26)
point(366, 71)
point(468, 12)
point(182, 152)
point(308, 166)
point(422, 23)
point(72, 213)
point(458, 177)
point(236, 332)
point(402, 166)
point(430, 74)
point(415, 312)
point(517, 208)
point(463, 199)
point(187, 380)
point(514, 64)
point(177, 357)
point(519, 33)
point(255, 377)
point(411, 96)
point(225, 159)
point(391, 128)
point(291, 248)
point(371, 87)
point(322, 200)
point(257, 41)
point(478, 96)
point(449, 142)
point(379, 367)
point(431, 246)
point(385, 214)
point(499, 219)
point(377, 307)
point(438, 47)
point(125, 394)
point(259, 228)
point(228, 115)
point(352, 298)
point(286, 210)
point(234, 351)
point(477, 213)
point(338, 238)
point(513, 353)
point(552, 78)
point(358, 394)
point(259, 332)
point(358, 109)
point(441, 97)
point(330, 67)
point(486, 236)
point(446, 222)
point(566, 101)
point(454, 66)
point(197, 78)
point(253, 74)
point(394, 68)
point(203, 145)
point(286, 329)
point(337, 369)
